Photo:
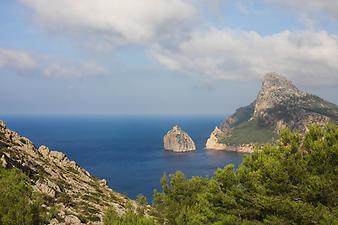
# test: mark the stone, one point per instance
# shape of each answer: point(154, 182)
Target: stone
point(213, 142)
point(44, 151)
point(2, 124)
point(44, 188)
point(103, 183)
point(59, 156)
point(3, 161)
point(73, 220)
point(178, 141)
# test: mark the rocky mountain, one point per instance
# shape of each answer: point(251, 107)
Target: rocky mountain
point(279, 104)
point(178, 141)
point(70, 191)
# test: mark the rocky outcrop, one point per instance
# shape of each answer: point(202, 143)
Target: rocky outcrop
point(78, 197)
point(178, 141)
point(279, 104)
point(213, 142)
point(275, 90)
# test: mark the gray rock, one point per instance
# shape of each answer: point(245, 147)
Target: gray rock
point(44, 151)
point(3, 161)
point(178, 141)
point(71, 219)
point(45, 189)
point(2, 124)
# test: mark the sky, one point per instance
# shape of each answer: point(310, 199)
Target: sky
point(166, 57)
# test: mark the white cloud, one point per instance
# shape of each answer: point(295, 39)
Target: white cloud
point(309, 57)
point(72, 70)
point(161, 25)
point(118, 21)
point(25, 63)
point(17, 60)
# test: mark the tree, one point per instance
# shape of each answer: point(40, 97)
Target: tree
point(293, 181)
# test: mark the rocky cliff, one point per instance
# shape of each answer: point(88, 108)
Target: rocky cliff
point(279, 104)
point(76, 196)
point(178, 141)
point(214, 141)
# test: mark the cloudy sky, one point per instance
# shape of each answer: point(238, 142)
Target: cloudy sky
point(160, 56)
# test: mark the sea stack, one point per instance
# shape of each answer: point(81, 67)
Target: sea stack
point(178, 141)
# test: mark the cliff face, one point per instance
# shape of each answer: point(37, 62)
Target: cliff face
point(178, 141)
point(78, 197)
point(213, 141)
point(279, 104)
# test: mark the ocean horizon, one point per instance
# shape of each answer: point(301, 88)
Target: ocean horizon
point(127, 151)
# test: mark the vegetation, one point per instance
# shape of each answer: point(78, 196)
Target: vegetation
point(129, 218)
point(242, 114)
point(294, 181)
point(252, 131)
point(16, 205)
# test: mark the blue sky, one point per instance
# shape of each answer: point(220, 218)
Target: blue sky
point(160, 56)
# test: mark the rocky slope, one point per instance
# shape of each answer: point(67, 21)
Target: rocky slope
point(74, 195)
point(279, 104)
point(178, 141)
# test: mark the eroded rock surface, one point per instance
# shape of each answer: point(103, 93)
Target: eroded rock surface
point(178, 141)
point(213, 142)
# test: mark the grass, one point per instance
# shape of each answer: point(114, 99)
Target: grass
point(250, 132)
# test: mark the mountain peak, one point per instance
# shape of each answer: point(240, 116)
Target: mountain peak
point(279, 104)
point(275, 90)
point(275, 80)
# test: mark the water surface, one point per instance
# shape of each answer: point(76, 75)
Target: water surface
point(127, 151)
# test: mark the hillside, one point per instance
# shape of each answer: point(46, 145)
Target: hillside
point(74, 196)
point(279, 104)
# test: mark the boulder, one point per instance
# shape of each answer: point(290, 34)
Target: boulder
point(178, 141)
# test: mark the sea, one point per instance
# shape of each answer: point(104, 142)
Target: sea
point(127, 151)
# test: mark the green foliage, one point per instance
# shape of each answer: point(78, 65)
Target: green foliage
point(252, 131)
point(16, 206)
point(129, 218)
point(294, 181)
point(242, 114)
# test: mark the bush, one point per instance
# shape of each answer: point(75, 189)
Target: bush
point(129, 218)
point(16, 207)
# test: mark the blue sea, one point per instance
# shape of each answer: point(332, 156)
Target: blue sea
point(127, 151)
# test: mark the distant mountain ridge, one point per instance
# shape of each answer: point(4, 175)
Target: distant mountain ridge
point(279, 104)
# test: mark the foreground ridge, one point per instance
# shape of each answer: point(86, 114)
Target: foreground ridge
point(77, 196)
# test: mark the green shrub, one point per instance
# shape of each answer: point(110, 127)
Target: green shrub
point(129, 218)
point(16, 205)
